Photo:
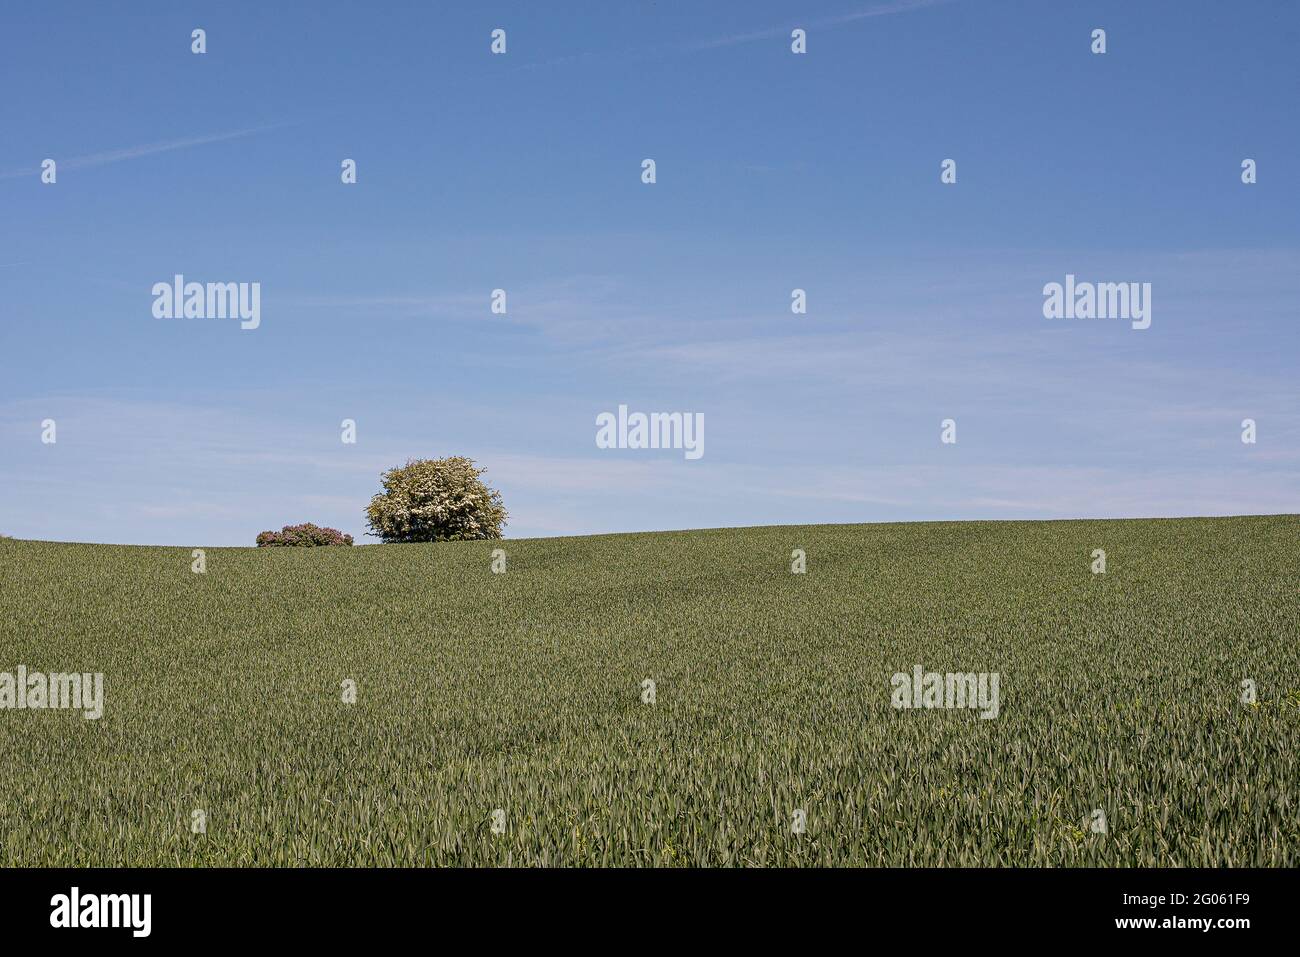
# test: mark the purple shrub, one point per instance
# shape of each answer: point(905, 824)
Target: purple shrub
point(306, 534)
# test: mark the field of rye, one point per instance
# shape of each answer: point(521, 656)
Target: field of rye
point(523, 693)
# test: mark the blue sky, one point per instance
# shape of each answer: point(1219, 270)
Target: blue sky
point(775, 171)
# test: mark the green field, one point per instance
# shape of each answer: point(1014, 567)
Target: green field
point(522, 691)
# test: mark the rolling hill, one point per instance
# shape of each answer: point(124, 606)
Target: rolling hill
point(1149, 715)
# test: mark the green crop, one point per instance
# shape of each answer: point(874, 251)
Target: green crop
point(1121, 693)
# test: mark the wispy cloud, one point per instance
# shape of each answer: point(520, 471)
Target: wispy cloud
point(135, 152)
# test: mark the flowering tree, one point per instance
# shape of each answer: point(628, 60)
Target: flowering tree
point(436, 500)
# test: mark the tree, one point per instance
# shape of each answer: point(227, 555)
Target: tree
point(436, 500)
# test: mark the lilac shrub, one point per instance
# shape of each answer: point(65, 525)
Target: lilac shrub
point(306, 534)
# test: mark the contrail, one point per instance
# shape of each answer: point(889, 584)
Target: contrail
point(134, 152)
point(881, 10)
point(695, 46)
